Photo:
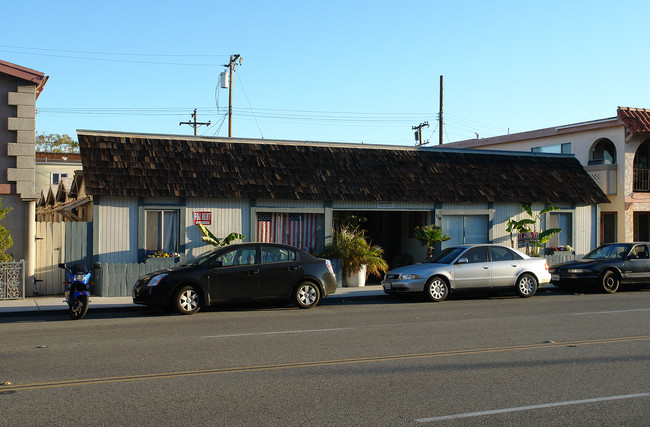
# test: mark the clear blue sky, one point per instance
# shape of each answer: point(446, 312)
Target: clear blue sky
point(331, 71)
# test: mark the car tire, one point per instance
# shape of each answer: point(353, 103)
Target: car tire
point(526, 285)
point(186, 300)
point(609, 282)
point(306, 295)
point(436, 289)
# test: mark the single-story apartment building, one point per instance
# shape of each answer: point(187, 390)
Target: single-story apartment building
point(151, 191)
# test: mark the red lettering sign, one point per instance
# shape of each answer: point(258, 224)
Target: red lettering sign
point(204, 218)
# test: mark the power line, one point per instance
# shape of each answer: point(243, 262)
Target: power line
point(114, 53)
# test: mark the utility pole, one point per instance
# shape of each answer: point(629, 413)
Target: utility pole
point(194, 123)
point(440, 116)
point(231, 67)
point(418, 133)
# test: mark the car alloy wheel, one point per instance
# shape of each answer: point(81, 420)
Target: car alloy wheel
point(609, 283)
point(436, 289)
point(526, 286)
point(306, 295)
point(187, 300)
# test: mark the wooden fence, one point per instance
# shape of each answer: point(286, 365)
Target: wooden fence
point(117, 280)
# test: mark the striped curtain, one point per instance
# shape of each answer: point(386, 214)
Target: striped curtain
point(302, 230)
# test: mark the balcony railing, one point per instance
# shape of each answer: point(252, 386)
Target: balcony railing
point(642, 180)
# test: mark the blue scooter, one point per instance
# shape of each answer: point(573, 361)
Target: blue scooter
point(77, 289)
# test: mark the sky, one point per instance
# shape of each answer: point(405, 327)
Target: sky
point(336, 71)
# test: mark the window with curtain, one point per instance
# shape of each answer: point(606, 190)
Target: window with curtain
point(563, 220)
point(162, 228)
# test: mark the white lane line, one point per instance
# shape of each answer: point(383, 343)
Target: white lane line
point(304, 331)
point(613, 311)
point(527, 408)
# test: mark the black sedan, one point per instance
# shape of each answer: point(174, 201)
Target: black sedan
point(606, 267)
point(238, 272)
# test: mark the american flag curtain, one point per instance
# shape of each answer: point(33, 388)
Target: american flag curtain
point(297, 229)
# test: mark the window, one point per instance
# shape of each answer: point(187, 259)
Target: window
point(563, 220)
point(161, 231)
point(642, 168)
point(499, 253)
point(475, 255)
point(275, 254)
point(603, 153)
point(56, 177)
point(564, 148)
point(241, 256)
point(465, 229)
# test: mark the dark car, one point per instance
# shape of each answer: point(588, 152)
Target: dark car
point(606, 267)
point(238, 272)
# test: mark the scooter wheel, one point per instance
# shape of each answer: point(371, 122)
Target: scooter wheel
point(79, 307)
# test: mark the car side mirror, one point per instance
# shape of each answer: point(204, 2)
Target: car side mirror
point(633, 256)
point(61, 265)
point(216, 264)
point(462, 261)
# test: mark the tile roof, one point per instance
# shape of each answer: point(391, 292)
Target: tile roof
point(23, 73)
point(136, 165)
point(636, 120)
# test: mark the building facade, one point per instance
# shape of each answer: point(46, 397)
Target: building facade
point(19, 90)
point(615, 151)
point(150, 192)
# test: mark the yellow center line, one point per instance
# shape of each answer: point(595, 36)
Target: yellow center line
point(295, 365)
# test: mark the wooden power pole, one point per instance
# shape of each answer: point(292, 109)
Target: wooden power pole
point(418, 133)
point(440, 116)
point(194, 123)
point(232, 64)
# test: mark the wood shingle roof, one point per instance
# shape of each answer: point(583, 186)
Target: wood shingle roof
point(136, 165)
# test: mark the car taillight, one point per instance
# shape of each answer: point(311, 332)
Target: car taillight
point(328, 263)
point(546, 266)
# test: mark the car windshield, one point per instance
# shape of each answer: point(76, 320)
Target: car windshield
point(609, 252)
point(200, 259)
point(446, 256)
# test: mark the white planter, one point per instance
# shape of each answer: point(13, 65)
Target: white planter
point(356, 279)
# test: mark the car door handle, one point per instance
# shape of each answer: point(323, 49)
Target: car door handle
point(485, 267)
point(252, 272)
point(514, 265)
point(292, 268)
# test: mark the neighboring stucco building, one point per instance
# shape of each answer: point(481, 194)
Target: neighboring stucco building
point(19, 89)
point(150, 192)
point(616, 153)
point(53, 168)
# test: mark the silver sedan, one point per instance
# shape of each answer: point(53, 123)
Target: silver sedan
point(470, 267)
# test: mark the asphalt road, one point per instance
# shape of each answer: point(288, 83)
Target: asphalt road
point(554, 359)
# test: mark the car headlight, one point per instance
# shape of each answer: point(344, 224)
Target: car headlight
point(577, 270)
point(156, 279)
point(408, 276)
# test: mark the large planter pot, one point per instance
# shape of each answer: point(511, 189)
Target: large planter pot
point(356, 279)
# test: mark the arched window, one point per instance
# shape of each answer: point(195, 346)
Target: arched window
point(641, 167)
point(603, 152)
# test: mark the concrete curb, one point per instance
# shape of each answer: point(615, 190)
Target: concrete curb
point(56, 303)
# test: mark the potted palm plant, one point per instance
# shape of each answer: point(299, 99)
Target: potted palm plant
point(358, 257)
point(429, 236)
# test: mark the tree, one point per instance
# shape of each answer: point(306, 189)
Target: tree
point(56, 143)
point(429, 236)
point(523, 226)
point(5, 238)
point(210, 238)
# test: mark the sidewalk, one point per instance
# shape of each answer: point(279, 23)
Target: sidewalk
point(54, 303)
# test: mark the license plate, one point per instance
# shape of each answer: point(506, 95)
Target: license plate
point(555, 277)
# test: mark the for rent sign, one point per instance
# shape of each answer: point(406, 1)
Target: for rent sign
point(525, 239)
point(204, 218)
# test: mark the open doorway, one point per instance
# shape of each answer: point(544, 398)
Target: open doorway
point(392, 230)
